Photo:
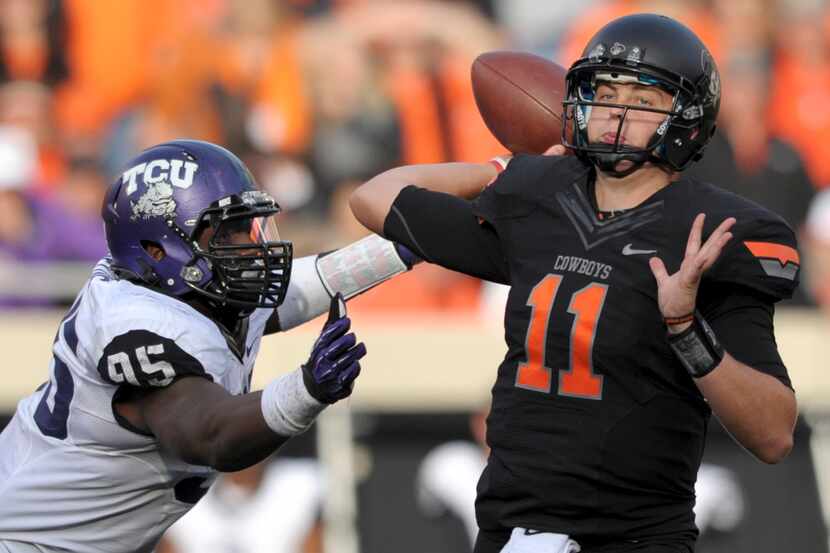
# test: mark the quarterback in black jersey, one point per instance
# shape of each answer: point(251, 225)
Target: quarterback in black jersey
point(640, 301)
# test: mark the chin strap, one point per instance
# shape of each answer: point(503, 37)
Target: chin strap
point(607, 162)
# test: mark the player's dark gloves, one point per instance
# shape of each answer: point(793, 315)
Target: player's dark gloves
point(330, 372)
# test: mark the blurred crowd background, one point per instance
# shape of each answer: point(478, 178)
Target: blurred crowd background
point(318, 95)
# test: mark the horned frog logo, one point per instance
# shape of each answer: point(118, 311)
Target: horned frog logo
point(160, 177)
point(157, 201)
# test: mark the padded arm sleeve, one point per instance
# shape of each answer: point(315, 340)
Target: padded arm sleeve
point(444, 230)
point(351, 270)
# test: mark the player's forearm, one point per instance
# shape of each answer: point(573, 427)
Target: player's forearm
point(202, 424)
point(758, 410)
point(240, 436)
point(227, 433)
point(372, 201)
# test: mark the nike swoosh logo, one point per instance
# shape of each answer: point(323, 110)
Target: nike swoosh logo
point(249, 348)
point(628, 250)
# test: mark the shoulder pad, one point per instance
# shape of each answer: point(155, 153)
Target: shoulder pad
point(527, 180)
point(762, 254)
point(145, 359)
point(131, 329)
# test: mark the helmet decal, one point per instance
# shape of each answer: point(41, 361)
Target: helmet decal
point(709, 67)
point(692, 112)
point(617, 49)
point(159, 176)
point(175, 171)
point(714, 83)
point(664, 126)
point(597, 52)
point(582, 114)
point(634, 55)
point(157, 201)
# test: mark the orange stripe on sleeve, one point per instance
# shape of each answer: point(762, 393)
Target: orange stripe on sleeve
point(784, 254)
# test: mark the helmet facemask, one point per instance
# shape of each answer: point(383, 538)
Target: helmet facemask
point(250, 264)
point(582, 100)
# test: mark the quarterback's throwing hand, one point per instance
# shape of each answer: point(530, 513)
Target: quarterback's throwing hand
point(331, 369)
point(677, 293)
point(556, 150)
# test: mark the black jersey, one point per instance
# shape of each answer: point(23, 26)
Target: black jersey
point(596, 429)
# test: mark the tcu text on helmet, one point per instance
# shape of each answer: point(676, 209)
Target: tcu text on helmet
point(175, 171)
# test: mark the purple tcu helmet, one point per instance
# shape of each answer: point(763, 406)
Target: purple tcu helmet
point(199, 204)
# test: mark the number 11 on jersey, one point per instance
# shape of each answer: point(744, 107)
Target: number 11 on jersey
point(586, 306)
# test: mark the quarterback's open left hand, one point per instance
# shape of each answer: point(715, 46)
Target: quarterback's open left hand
point(677, 293)
point(331, 369)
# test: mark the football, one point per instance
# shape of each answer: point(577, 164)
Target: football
point(519, 96)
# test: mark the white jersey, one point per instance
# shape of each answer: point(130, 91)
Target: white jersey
point(73, 476)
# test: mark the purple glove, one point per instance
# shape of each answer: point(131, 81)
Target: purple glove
point(330, 371)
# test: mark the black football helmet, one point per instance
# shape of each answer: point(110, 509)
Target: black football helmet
point(653, 50)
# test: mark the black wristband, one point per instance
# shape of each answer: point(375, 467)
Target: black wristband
point(697, 347)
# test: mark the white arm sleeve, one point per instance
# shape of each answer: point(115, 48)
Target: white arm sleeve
point(350, 270)
point(306, 297)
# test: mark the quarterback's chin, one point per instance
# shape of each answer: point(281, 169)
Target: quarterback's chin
point(623, 166)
